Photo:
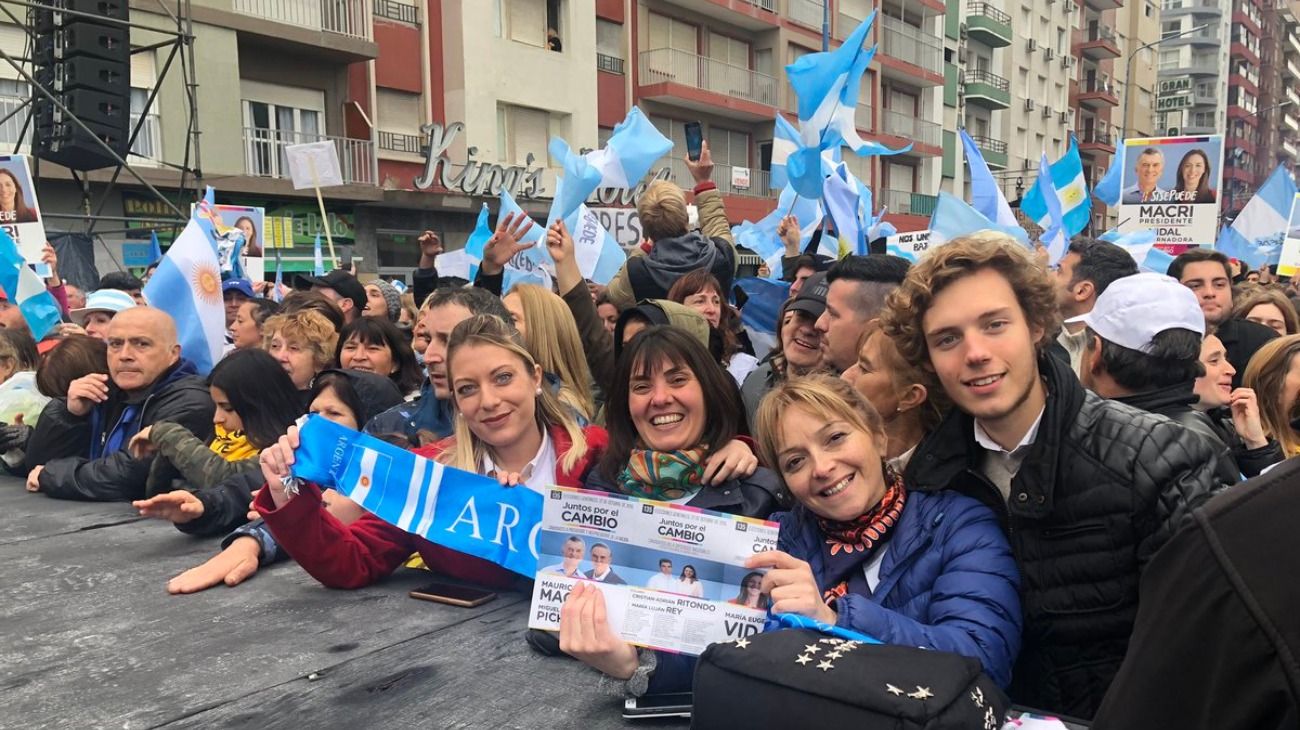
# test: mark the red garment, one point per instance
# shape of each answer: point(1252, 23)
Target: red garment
point(356, 555)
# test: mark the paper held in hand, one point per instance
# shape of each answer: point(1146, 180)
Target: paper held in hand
point(316, 165)
point(673, 577)
point(20, 213)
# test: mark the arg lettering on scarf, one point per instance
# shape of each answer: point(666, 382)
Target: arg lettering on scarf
point(465, 512)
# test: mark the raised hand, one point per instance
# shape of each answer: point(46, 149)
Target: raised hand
point(788, 231)
point(504, 244)
point(430, 247)
point(701, 169)
point(85, 392)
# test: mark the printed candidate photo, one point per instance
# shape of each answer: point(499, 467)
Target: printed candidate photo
point(1172, 170)
point(17, 196)
point(249, 222)
point(581, 556)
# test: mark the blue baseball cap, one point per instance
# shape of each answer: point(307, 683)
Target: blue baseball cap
point(243, 286)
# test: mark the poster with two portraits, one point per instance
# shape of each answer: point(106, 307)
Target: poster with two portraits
point(1172, 185)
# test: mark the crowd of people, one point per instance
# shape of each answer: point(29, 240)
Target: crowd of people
point(1038, 469)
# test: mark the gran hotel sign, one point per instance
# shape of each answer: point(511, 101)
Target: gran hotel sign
point(476, 177)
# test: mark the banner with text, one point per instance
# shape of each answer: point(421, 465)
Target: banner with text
point(911, 245)
point(673, 577)
point(1171, 185)
point(1289, 264)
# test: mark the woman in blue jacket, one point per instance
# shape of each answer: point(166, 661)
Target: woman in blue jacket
point(860, 551)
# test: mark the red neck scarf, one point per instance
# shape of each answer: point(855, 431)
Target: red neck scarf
point(851, 544)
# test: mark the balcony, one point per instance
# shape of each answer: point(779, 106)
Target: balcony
point(1096, 93)
point(994, 151)
point(759, 183)
point(862, 118)
point(1097, 43)
point(1291, 121)
point(1293, 69)
point(752, 15)
point(1247, 51)
point(410, 144)
point(988, 25)
point(910, 45)
point(917, 131)
point(341, 28)
point(1289, 148)
point(704, 84)
point(1292, 45)
point(987, 89)
point(609, 64)
point(1094, 141)
point(904, 202)
point(845, 24)
point(1102, 6)
point(1286, 12)
point(1293, 96)
point(264, 154)
point(806, 12)
point(12, 127)
point(399, 11)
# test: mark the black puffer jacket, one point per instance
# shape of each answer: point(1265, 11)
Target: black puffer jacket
point(1101, 489)
point(179, 396)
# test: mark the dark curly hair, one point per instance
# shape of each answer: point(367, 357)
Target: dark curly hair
point(904, 311)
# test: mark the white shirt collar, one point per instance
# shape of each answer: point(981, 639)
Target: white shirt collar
point(985, 441)
point(539, 472)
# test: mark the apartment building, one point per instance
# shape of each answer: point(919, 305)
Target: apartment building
point(434, 106)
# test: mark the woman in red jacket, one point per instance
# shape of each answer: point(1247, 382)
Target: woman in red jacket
point(509, 424)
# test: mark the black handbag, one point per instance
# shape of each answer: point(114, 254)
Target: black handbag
point(795, 678)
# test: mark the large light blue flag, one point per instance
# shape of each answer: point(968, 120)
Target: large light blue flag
point(954, 217)
point(318, 261)
point(1071, 191)
point(844, 204)
point(761, 237)
point(785, 142)
point(24, 287)
point(827, 85)
point(529, 266)
point(1109, 188)
point(598, 253)
point(1257, 234)
point(579, 181)
point(633, 148)
point(985, 194)
point(465, 512)
point(187, 286)
point(1053, 236)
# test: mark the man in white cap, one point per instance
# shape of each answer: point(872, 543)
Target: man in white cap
point(1143, 349)
point(101, 306)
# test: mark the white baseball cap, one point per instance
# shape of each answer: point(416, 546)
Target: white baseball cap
point(1134, 309)
point(103, 300)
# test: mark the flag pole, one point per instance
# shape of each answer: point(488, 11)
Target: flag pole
point(325, 221)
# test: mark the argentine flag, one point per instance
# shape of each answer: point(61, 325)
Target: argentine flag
point(632, 150)
point(463, 263)
point(598, 253)
point(1259, 231)
point(827, 86)
point(529, 266)
point(844, 203)
point(986, 196)
point(1141, 246)
point(761, 237)
point(1054, 236)
point(763, 300)
point(1109, 188)
point(187, 285)
point(1071, 192)
point(24, 287)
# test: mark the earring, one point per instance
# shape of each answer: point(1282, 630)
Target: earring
point(539, 392)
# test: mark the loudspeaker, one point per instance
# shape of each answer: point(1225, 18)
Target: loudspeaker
point(86, 64)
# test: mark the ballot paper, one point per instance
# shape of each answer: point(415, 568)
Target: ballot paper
point(672, 576)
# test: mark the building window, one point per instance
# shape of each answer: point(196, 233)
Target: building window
point(522, 131)
point(609, 46)
point(532, 22)
point(398, 120)
point(276, 116)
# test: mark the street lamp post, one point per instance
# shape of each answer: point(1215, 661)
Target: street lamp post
point(1128, 73)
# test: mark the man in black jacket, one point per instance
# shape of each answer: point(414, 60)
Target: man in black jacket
point(1143, 349)
point(1088, 489)
point(1216, 645)
point(84, 453)
point(1206, 272)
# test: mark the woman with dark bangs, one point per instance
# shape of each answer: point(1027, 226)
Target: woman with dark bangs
point(701, 291)
point(375, 345)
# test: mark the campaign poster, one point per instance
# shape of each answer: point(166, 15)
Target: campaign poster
point(624, 224)
point(1171, 185)
point(672, 576)
point(20, 214)
point(251, 222)
point(1289, 264)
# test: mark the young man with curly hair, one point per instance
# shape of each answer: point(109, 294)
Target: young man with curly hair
point(1088, 489)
